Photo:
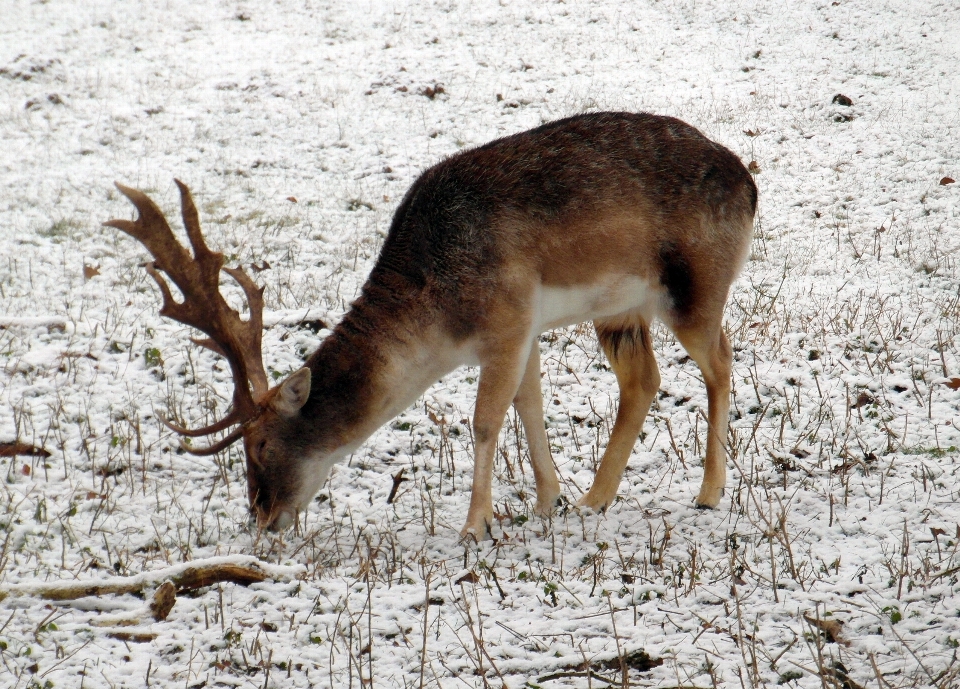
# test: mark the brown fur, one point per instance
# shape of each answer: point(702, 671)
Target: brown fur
point(476, 246)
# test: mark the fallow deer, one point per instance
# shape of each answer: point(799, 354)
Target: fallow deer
point(612, 217)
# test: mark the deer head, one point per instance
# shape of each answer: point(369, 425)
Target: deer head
point(263, 417)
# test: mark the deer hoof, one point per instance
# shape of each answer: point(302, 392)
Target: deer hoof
point(547, 505)
point(709, 497)
point(595, 502)
point(477, 530)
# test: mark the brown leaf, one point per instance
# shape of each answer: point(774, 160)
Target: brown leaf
point(832, 629)
point(750, 132)
point(90, 271)
point(845, 467)
point(863, 399)
point(953, 383)
point(947, 180)
point(468, 578)
point(432, 92)
point(292, 199)
point(25, 470)
point(935, 531)
point(753, 167)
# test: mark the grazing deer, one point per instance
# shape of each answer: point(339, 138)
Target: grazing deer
point(613, 217)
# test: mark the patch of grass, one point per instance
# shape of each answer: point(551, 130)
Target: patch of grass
point(60, 229)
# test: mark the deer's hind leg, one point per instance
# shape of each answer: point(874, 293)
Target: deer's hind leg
point(710, 348)
point(529, 405)
point(630, 352)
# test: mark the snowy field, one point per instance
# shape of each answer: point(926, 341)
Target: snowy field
point(834, 558)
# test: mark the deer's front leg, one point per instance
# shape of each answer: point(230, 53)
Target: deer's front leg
point(500, 376)
point(529, 405)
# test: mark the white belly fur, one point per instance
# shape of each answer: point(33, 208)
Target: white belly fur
point(560, 306)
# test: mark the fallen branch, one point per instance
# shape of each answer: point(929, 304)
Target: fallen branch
point(243, 570)
point(49, 322)
point(564, 675)
point(637, 660)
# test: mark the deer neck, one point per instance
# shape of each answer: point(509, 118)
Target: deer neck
point(375, 364)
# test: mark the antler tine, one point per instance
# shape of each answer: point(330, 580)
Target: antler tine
point(191, 221)
point(253, 332)
point(226, 442)
point(195, 277)
point(233, 417)
point(207, 343)
point(203, 306)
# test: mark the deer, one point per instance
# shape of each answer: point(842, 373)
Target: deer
point(619, 218)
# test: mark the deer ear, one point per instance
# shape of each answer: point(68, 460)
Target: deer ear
point(293, 393)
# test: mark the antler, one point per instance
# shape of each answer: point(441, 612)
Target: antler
point(203, 307)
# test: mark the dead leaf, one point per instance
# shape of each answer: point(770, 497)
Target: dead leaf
point(754, 167)
point(937, 531)
point(432, 92)
point(953, 383)
point(832, 629)
point(750, 132)
point(292, 199)
point(947, 180)
point(845, 467)
point(25, 470)
point(90, 271)
point(468, 578)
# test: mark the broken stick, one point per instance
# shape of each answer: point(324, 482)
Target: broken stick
point(239, 569)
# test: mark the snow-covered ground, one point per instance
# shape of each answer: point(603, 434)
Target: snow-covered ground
point(833, 560)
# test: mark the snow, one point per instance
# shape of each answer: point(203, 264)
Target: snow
point(299, 125)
